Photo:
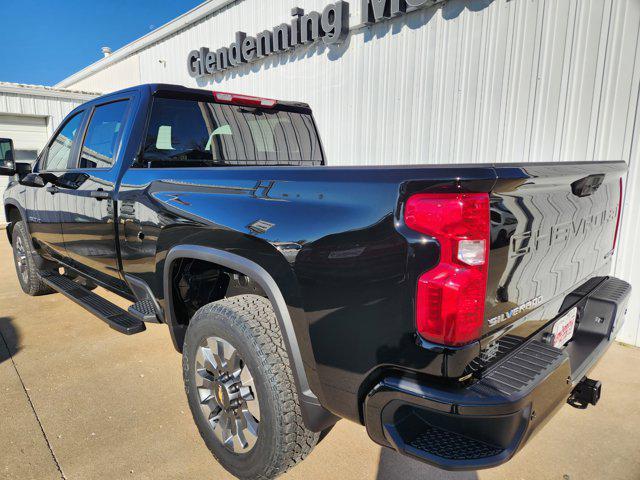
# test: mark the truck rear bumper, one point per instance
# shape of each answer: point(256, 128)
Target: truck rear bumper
point(486, 423)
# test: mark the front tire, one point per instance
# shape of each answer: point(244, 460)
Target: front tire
point(24, 259)
point(241, 389)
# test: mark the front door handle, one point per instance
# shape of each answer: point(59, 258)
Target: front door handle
point(100, 194)
point(53, 190)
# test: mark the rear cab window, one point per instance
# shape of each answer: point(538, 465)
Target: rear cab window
point(193, 133)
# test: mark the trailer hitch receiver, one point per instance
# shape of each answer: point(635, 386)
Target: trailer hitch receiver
point(586, 392)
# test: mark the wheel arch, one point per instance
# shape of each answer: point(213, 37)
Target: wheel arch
point(13, 212)
point(316, 417)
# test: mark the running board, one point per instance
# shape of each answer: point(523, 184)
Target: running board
point(111, 314)
point(145, 311)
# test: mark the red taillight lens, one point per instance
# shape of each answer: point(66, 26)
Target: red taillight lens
point(450, 297)
point(234, 98)
point(615, 235)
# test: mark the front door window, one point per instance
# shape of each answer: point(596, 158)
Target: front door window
point(57, 156)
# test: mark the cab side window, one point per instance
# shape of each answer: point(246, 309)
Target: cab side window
point(57, 156)
point(103, 135)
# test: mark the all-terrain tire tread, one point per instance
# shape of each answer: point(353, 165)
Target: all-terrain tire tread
point(254, 317)
point(36, 286)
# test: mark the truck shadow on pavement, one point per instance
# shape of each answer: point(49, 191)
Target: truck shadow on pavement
point(393, 466)
point(9, 339)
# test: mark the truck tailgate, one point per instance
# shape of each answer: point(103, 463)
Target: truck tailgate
point(553, 228)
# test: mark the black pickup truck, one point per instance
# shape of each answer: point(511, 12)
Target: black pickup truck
point(449, 309)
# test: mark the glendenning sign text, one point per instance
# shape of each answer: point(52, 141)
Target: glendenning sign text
point(332, 26)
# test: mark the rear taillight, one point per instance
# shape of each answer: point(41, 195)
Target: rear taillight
point(450, 297)
point(235, 99)
point(615, 235)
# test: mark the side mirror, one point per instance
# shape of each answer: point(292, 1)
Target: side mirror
point(7, 163)
point(23, 168)
point(70, 180)
point(33, 180)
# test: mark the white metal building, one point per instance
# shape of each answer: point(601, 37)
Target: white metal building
point(29, 114)
point(450, 82)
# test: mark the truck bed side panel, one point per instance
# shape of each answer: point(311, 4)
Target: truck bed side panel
point(328, 236)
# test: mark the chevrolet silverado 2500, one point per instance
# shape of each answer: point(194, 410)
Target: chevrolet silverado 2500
point(450, 309)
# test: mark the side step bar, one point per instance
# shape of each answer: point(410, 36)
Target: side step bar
point(145, 311)
point(114, 316)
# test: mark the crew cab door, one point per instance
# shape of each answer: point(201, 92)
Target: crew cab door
point(88, 219)
point(42, 203)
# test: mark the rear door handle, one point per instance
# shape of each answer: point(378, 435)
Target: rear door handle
point(100, 194)
point(53, 190)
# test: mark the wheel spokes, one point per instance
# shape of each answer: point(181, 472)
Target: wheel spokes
point(214, 421)
point(251, 424)
point(234, 365)
point(239, 438)
point(204, 378)
point(211, 362)
point(254, 408)
point(227, 394)
point(247, 380)
point(21, 257)
point(226, 423)
point(216, 348)
point(210, 409)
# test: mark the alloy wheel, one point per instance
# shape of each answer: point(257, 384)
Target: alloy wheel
point(227, 393)
point(21, 260)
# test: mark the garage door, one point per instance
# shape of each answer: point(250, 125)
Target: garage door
point(29, 135)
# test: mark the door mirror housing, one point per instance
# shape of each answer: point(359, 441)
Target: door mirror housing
point(71, 180)
point(39, 180)
point(23, 169)
point(33, 180)
point(7, 160)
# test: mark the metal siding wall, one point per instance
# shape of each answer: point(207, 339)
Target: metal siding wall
point(117, 76)
point(53, 108)
point(467, 81)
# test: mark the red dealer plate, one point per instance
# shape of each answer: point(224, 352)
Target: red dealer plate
point(563, 328)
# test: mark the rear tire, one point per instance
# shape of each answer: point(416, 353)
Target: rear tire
point(24, 259)
point(245, 325)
